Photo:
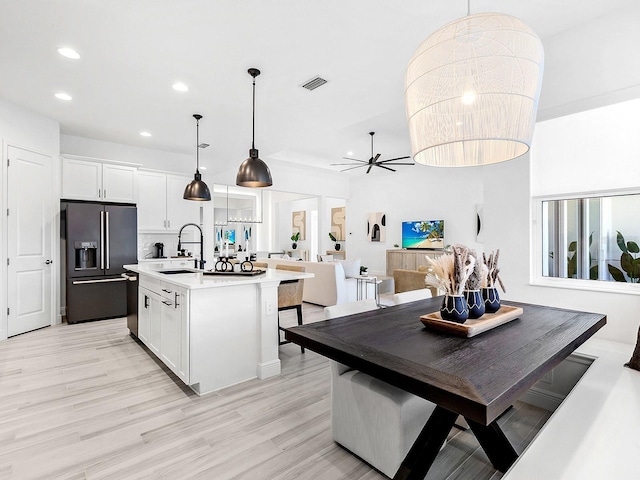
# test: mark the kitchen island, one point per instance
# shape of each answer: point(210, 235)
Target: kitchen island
point(211, 331)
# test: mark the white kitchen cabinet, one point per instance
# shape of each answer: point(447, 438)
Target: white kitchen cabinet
point(160, 204)
point(98, 181)
point(179, 210)
point(164, 315)
point(144, 314)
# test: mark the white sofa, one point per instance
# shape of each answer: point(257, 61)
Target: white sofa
point(329, 286)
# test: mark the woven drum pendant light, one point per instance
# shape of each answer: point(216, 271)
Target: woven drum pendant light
point(471, 91)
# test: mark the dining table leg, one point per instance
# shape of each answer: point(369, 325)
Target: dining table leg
point(495, 444)
point(426, 447)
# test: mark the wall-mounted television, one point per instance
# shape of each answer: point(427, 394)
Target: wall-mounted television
point(426, 234)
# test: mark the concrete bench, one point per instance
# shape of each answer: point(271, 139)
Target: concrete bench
point(594, 433)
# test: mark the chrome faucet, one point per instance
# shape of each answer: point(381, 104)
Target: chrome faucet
point(180, 242)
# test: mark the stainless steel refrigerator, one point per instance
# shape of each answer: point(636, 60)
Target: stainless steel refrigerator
point(100, 238)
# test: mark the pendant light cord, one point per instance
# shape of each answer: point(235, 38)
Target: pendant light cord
point(253, 116)
point(197, 147)
point(371, 144)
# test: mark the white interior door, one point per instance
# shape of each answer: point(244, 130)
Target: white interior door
point(30, 221)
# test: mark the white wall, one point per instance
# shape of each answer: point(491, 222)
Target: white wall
point(596, 150)
point(592, 65)
point(412, 193)
point(283, 239)
point(589, 151)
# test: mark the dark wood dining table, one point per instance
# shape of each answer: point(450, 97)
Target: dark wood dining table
point(478, 377)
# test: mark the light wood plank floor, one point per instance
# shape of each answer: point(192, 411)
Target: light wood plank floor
point(86, 401)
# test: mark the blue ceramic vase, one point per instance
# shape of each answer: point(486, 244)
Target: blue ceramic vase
point(454, 308)
point(491, 299)
point(475, 302)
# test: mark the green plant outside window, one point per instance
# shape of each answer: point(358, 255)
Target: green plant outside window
point(592, 238)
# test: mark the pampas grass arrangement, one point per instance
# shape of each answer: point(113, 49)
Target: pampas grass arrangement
point(490, 271)
point(475, 278)
point(451, 271)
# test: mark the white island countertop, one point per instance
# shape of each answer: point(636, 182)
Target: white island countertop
point(196, 279)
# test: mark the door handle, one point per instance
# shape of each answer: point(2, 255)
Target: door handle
point(106, 238)
point(101, 239)
point(175, 303)
point(106, 280)
point(48, 262)
point(146, 302)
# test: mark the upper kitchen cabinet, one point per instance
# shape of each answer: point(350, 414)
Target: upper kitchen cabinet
point(160, 205)
point(84, 179)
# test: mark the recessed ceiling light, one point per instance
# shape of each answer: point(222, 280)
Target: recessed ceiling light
point(145, 134)
point(180, 87)
point(349, 153)
point(69, 53)
point(63, 96)
point(202, 168)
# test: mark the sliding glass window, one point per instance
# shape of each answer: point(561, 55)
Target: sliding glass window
point(593, 238)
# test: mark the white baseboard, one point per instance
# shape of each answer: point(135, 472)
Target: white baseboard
point(269, 369)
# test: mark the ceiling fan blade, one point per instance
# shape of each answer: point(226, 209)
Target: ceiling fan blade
point(392, 159)
point(401, 163)
point(354, 159)
point(385, 167)
point(376, 159)
point(369, 169)
point(363, 164)
point(351, 168)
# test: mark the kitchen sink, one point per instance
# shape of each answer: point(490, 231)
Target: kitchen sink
point(175, 272)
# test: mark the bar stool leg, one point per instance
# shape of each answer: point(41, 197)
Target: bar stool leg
point(299, 312)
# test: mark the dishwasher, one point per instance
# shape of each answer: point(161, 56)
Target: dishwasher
point(132, 302)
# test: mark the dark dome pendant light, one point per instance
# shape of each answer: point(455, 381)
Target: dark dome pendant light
point(197, 189)
point(253, 172)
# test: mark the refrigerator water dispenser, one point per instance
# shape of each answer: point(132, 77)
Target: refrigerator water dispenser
point(86, 255)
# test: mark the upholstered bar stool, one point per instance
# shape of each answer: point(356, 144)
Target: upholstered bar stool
point(290, 297)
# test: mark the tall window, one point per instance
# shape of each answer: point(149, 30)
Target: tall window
point(593, 238)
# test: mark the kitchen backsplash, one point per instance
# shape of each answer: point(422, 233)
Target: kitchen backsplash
point(146, 242)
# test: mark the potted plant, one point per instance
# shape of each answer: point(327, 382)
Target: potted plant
point(334, 239)
point(294, 238)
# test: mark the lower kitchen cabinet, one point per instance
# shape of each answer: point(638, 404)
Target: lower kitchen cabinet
point(163, 325)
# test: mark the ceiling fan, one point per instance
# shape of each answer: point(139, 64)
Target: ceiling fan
point(373, 161)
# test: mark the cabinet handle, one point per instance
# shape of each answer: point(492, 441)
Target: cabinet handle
point(166, 291)
point(99, 193)
point(168, 304)
point(175, 303)
point(168, 223)
point(146, 302)
point(105, 193)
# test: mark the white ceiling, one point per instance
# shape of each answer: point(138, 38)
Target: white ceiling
point(134, 50)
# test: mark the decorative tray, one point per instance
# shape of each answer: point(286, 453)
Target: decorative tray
point(472, 327)
point(252, 273)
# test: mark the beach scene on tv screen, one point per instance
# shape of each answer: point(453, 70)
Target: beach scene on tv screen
point(423, 234)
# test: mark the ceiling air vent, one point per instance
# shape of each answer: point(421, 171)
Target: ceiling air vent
point(314, 83)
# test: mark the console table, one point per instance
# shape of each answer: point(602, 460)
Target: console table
point(408, 259)
point(338, 253)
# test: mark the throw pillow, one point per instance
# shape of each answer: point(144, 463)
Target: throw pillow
point(351, 267)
